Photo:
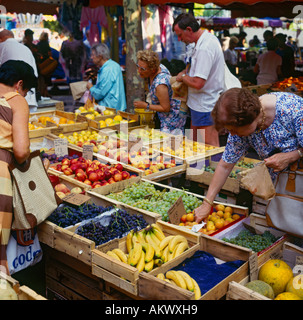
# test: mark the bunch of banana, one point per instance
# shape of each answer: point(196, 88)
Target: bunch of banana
point(182, 280)
point(150, 248)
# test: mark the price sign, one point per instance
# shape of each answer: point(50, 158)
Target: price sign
point(253, 266)
point(88, 150)
point(61, 148)
point(176, 211)
point(76, 199)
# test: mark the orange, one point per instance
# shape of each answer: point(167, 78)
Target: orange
point(184, 218)
point(62, 121)
point(235, 216)
point(219, 223)
point(220, 213)
point(228, 209)
point(226, 215)
point(210, 226)
point(190, 217)
point(220, 207)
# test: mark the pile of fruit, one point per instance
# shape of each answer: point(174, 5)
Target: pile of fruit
point(219, 218)
point(53, 158)
point(83, 137)
point(32, 126)
point(145, 196)
point(245, 164)
point(255, 242)
point(94, 112)
point(233, 174)
point(55, 120)
point(121, 222)
point(277, 281)
point(66, 215)
point(92, 172)
point(286, 83)
point(146, 135)
point(62, 190)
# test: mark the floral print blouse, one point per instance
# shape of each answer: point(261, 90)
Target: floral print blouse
point(172, 120)
point(285, 134)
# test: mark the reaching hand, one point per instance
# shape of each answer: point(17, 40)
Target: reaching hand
point(202, 212)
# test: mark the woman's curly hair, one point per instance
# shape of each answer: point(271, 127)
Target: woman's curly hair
point(151, 58)
point(236, 107)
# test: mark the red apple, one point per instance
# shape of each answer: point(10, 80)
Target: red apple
point(81, 175)
point(61, 187)
point(64, 166)
point(59, 167)
point(89, 170)
point(96, 184)
point(125, 175)
point(65, 161)
point(83, 165)
point(118, 176)
point(79, 144)
point(93, 141)
point(68, 171)
point(75, 166)
point(119, 166)
point(88, 182)
point(104, 183)
point(107, 174)
point(113, 170)
point(93, 176)
point(72, 161)
point(100, 174)
point(111, 180)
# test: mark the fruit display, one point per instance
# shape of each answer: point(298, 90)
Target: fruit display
point(92, 111)
point(255, 242)
point(245, 164)
point(233, 174)
point(56, 120)
point(53, 158)
point(67, 215)
point(147, 135)
point(92, 172)
point(149, 248)
point(261, 287)
point(32, 126)
point(144, 195)
point(220, 217)
point(287, 82)
point(181, 279)
point(120, 223)
point(62, 190)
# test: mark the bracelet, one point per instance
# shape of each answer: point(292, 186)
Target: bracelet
point(147, 107)
point(300, 153)
point(208, 201)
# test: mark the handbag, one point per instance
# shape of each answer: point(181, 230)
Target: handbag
point(34, 197)
point(285, 210)
point(230, 81)
point(48, 66)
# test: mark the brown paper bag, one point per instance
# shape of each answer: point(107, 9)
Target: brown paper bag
point(77, 89)
point(180, 89)
point(258, 181)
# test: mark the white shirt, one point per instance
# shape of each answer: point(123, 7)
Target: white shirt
point(207, 62)
point(268, 63)
point(11, 49)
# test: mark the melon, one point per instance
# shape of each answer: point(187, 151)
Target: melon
point(276, 273)
point(295, 285)
point(287, 296)
point(261, 287)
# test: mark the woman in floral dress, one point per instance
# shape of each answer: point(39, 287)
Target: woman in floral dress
point(271, 124)
point(172, 120)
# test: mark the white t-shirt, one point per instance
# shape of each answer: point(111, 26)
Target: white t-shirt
point(11, 49)
point(268, 63)
point(207, 62)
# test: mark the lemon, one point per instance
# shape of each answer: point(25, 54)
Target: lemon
point(109, 121)
point(102, 123)
point(118, 118)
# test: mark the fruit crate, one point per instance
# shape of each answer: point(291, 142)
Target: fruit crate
point(125, 277)
point(23, 292)
point(289, 253)
point(103, 193)
point(67, 241)
point(232, 184)
point(258, 223)
point(152, 288)
point(131, 120)
point(187, 149)
point(259, 205)
point(147, 134)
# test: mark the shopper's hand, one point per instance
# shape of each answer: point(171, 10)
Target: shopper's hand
point(140, 104)
point(202, 212)
point(179, 76)
point(278, 161)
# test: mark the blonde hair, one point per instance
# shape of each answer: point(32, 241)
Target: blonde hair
point(151, 58)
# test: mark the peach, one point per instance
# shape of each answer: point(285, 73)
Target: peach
point(61, 187)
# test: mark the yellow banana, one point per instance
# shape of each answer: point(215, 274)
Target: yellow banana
point(155, 238)
point(158, 262)
point(180, 248)
point(156, 226)
point(160, 276)
point(149, 251)
point(113, 255)
point(141, 236)
point(174, 241)
point(177, 278)
point(141, 263)
point(136, 254)
point(135, 238)
point(158, 232)
point(129, 243)
point(165, 253)
point(122, 256)
point(188, 280)
point(197, 290)
point(151, 241)
point(149, 266)
point(165, 242)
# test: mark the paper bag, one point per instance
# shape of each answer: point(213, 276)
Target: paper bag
point(258, 181)
point(180, 89)
point(77, 89)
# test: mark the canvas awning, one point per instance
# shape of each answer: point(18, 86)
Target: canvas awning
point(32, 7)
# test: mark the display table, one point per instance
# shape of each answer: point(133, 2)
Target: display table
point(50, 105)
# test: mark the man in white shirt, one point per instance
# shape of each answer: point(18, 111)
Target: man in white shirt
point(11, 49)
point(205, 78)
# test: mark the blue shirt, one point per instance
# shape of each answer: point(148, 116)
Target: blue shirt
point(109, 89)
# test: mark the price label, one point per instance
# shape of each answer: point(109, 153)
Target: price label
point(88, 150)
point(76, 199)
point(176, 142)
point(176, 211)
point(61, 148)
point(253, 266)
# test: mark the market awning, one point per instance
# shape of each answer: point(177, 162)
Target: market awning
point(244, 8)
point(32, 7)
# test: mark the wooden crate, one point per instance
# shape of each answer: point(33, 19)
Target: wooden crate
point(153, 288)
point(67, 241)
point(124, 276)
point(259, 205)
point(23, 292)
point(258, 223)
point(237, 290)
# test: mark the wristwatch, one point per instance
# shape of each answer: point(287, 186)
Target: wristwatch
point(300, 153)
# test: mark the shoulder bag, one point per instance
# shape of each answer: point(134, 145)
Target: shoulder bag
point(285, 210)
